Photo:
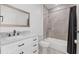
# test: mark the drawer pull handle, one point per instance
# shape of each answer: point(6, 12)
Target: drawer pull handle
point(34, 45)
point(20, 45)
point(35, 51)
point(34, 39)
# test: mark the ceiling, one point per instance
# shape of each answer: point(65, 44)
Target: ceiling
point(50, 6)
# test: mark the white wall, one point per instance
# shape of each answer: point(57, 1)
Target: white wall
point(78, 17)
point(36, 19)
point(78, 28)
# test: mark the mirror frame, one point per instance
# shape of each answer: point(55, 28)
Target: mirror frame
point(14, 25)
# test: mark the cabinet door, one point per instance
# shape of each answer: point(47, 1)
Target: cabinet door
point(9, 49)
point(27, 49)
point(25, 46)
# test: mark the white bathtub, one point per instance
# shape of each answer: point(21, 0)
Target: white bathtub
point(56, 46)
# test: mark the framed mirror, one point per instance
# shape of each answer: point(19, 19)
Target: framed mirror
point(12, 16)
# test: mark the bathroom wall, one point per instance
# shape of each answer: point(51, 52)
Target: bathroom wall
point(78, 17)
point(78, 28)
point(45, 21)
point(36, 19)
point(59, 17)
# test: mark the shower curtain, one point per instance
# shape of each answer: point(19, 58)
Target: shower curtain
point(72, 31)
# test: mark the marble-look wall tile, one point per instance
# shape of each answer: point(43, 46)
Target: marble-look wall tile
point(45, 21)
point(59, 24)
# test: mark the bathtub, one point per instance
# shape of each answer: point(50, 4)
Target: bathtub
point(55, 46)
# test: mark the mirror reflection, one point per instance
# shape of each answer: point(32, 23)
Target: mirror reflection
point(12, 16)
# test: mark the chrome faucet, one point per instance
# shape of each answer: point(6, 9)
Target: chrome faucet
point(14, 32)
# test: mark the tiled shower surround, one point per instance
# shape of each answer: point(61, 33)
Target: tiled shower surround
point(56, 22)
point(45, 21)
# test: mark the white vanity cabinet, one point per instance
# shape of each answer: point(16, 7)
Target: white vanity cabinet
point(24, 46)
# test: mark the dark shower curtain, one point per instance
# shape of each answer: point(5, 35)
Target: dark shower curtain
point(72, 31)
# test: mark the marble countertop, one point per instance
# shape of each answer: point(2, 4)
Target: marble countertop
point(9, 40)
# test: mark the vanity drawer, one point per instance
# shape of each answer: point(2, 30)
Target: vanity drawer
point(35, 49)
point(25, 46)
point(35, 45)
